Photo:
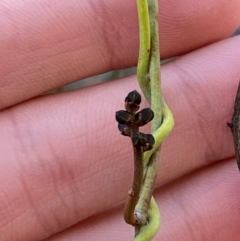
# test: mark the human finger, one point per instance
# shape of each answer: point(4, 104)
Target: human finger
point(200, 206)
point(63, 153)
point(44, 45)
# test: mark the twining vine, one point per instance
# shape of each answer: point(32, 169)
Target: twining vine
point(141, 210)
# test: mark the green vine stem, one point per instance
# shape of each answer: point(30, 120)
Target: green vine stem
point(144, 48)
point(148, 72)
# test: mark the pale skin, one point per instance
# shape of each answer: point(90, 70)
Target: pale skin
point(61, 157)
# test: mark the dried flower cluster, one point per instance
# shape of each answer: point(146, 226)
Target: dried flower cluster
point(129, 121)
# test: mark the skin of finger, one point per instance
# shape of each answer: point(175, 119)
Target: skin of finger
point(202, 206)
point(64, 157)
point(45, 45)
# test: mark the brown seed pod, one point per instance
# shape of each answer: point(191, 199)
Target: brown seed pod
point(132, 101)
point(144, 116)
point(123, 117)
point(124, 129)
point(150, 139)
point(140, 139)
point(133, 97)
point(150, 142)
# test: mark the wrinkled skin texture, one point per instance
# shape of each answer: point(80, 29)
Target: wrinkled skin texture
point(63, 164)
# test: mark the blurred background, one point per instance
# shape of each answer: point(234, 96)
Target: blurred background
point(112, 75)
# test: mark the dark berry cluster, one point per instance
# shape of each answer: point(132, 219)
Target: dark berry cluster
point(130, 120)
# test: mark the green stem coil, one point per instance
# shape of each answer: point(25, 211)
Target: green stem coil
point(148, 74)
